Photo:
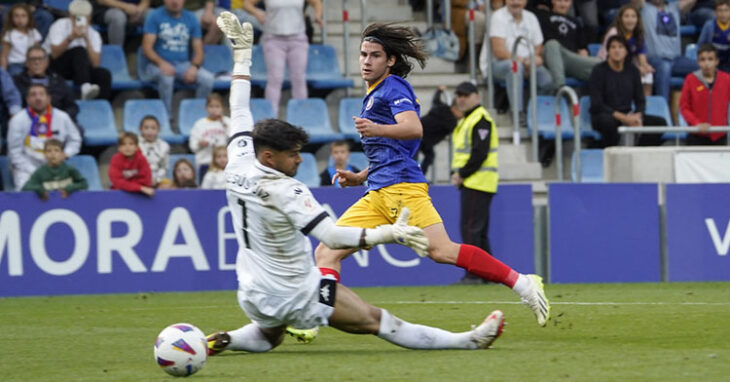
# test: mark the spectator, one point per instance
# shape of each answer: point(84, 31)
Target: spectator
point(460, 24)
point(19, 34)
point(285, 44)
point(437, 124)
point(154, 149)
point(183, 175)
point(209, 132)
point(702, 12)
point(29, 131)
point(507, 24)
point(629, 25)
point(566, 48)
point(340, 156)
point(128, 169)
point(717, 33)
point(663, 41)
point(705, 98)
point(614, 85)
point(11, 103)
point(75, 50)
point(206, 12)
point(55, 175)
point(42, 18)
point(169, 33)
point(215, 177)
point(117, 15)
point(36, 72)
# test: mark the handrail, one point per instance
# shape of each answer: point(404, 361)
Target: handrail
point(324, 22)
point(488, 52)
point(470, 41)
point(446, 13)
point(363, 15)
point(346, 42)
point(533, 95)
point(429, 14)
point(569, 93)
point(631, 130)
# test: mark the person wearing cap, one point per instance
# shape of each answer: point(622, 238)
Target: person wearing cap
point(169, 34)
point(474, 168)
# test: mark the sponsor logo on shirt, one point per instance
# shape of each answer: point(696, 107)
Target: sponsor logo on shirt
point(399, 101)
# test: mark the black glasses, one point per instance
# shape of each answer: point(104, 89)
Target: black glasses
point(36, 59)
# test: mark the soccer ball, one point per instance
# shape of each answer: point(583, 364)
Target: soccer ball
point(181, 349)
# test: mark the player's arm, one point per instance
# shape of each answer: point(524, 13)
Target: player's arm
point(407, 126)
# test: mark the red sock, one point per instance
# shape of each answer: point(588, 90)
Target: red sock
point(477, 261)
point(330, 271)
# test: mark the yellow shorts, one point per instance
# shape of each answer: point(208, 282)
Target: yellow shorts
point(384, 205)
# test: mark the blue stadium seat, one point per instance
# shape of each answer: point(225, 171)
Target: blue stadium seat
point(189, 112)
point(591, 165)
point(656, 105)
point(218, 60)
point(584, 116)
point(311, 114)
point(176, 157)
point(97, 120)
point(359, 160)
point(307, 172)
point(261, 109)
point(323, 69)
point(86, 164)
point(687, 30)
point(6, 175)
point(58, 4)
point(113, 59)
point(593, 49)
point(349, 107)
point(690, 51)
point(574, 83)
point(546, 119)
point(136, 109)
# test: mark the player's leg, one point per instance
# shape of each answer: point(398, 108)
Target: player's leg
point(251, 338)
point(353, 315)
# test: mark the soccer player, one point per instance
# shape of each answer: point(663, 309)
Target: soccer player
point(391, 130)
point(272, 214)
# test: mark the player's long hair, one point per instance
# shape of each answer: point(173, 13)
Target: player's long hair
point(277, 135)
point(399, 42)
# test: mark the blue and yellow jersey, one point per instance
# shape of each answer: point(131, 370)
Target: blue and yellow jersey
point(391, 160)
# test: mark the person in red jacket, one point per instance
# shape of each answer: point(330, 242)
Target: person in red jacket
point(705, 97)
point(129, 170)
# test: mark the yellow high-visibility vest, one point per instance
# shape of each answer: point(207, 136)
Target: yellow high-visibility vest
point(486, 177)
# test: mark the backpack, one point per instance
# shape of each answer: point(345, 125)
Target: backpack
point(441, 42)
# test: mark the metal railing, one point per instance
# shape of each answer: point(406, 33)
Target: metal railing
point(630, 131)
point(488, 52)
point(363, 15)
point(533, 95)
point(470, 43)
point(346, 42)
point(569, 93)
point(324, 21)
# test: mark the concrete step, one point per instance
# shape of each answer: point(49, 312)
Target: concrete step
point(509, 153)
point(384, 11)
point(520, 171)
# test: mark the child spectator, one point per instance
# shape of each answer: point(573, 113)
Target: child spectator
point(19, 34)
point(717, 33)
point(340, 154)
point(183, 175)
point(209, 132)
point(154, 149)
point(705, 97)
point(215, 177)
point(629, 25)
point(128, 169)
point(55, 175)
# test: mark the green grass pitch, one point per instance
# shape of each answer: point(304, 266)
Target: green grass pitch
point(616, 332)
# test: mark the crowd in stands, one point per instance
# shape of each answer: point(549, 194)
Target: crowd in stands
point(51, 59)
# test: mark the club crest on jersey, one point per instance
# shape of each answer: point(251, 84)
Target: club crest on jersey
point(369, 104)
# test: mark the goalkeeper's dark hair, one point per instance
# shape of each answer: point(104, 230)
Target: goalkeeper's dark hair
point(400, 42)
point(277, 135)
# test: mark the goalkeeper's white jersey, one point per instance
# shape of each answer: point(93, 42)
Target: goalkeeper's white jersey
point(272, 214)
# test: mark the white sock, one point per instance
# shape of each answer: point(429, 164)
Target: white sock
point(522, 285)
point(249, 338)
point(241, 117)
point(413, 336)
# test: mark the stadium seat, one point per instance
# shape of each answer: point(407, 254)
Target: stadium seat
point(359, 160)
point(349, 107)
point(218, 60)
point(546, 119)
point(690, 51)
point(97, 120)
point(574, 83)
point(136, 109)
point(113, 59)
point(57, 4)
point(307, 172)
point(261, 109)
point(591, 165)
point(7, 177)
point(584, 116)
point(593, 49)
point(323, 69)
point(86, 164)
point(656, 105)
point(176, 157)
point(687, 30)
point(189, 112)
point(311, 114)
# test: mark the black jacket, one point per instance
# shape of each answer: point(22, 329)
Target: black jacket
point(62, 95)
